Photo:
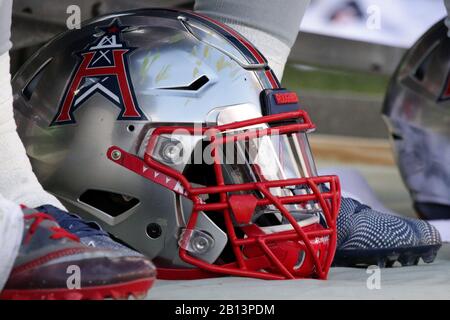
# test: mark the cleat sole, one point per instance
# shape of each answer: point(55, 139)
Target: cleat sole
point(385, 258)
point(115, 291)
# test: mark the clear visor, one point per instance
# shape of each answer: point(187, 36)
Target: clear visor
point(272, 158)
point(245, 157)
point(268, 158)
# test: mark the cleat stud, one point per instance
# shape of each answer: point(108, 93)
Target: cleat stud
point(407, 260)
point(429, 257)
point(139, 295)
point(96, 296)
point(382, 263)
point(117, 295)
point(390, 263)
point(73, 296)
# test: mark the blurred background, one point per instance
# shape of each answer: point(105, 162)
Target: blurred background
point(340, 66)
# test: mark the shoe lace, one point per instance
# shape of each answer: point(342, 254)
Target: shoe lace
point(58, 232)
point(74, 223)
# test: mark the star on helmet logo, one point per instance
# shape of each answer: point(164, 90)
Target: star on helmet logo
point(102, 69)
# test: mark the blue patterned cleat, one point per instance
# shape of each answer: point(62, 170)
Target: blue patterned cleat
point(89, 232)
point(368, 237)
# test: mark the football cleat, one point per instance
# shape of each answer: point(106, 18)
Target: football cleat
point(368, 237)
point(53, 265)
point(89, 232)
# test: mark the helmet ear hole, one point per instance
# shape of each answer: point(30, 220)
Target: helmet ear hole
point(113, 204)
point(200, 173)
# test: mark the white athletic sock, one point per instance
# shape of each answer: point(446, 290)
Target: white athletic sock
point(270, 25)
point(17, 180)
point(275, 51)
point(11, 229)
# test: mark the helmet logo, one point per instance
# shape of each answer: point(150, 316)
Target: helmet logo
point(103, 69)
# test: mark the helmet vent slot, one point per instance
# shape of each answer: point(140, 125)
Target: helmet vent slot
point(194, 86)
point(28, 90)
point(113, 204)
point(424, 64)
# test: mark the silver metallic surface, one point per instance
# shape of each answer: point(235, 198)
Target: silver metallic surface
point(185, 22)
point(417, 111)
point(71, 159)
point(35, 22)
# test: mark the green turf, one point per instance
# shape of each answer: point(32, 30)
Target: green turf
point(334, 81)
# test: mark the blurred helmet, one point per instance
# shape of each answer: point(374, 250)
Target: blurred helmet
point(417, 111)
point(170, 130)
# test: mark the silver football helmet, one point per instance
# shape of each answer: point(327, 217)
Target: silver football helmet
point(417, 111)
point(170, 130)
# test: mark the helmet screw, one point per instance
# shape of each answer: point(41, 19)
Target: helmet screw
point(116, 155)
point(154, 230)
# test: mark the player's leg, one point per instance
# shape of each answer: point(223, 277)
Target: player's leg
point(11, 220)
point(17, 180)
point(11, 228)
point(271, 26)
